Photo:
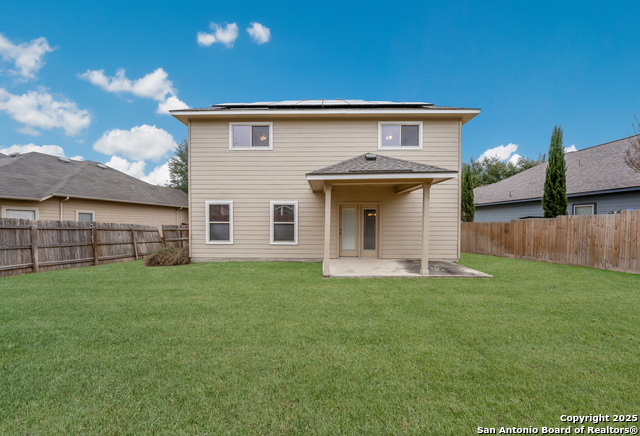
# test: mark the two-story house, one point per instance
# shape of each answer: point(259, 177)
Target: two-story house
point(314, 180)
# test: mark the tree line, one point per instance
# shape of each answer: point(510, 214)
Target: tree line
point(491, 170)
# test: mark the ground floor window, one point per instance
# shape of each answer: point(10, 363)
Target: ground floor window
point(584, 209)
point(219, 222)
point(20, 212)
point(85, 216)
point(284, 222)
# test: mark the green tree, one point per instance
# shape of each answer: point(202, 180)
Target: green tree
point(554, 197)
point(632, 157)
point(491, 170)
point(467, 206)
point(179, 167)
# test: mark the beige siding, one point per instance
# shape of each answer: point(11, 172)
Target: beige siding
point(104, 211)
point(253, 178)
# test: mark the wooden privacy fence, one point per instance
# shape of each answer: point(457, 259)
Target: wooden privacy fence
point(175, 236)
point(598, 241)
point(32, 246)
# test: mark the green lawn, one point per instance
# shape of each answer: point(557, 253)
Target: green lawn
point(273, 348)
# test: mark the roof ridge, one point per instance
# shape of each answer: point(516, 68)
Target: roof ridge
point(64, 181)
point(606, 143)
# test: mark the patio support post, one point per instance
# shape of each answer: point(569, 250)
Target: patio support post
point(426, 193)
point(327, 229)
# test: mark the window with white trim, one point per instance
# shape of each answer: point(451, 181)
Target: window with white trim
point(284, 222)
point(20, 213)
point(250, 136)
point(85, 216)
point(400, 135)
point(219, 222)
point(584, 209)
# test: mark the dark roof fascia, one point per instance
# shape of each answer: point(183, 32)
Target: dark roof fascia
point(77, 197)
point(374, 172)
point(579, 194)
point(113, 200)
point(9, 197)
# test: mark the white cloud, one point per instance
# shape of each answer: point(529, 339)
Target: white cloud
point(54, 150)
point(171, 103)
point(26, 57)
point(139, 143)
point(226, 35)
point(158, 176)
point(155, 85)
point(28, 131)
point(38, 109)
point(570, 149)
point(514, 159)
point(502, 152)
point(259, 33)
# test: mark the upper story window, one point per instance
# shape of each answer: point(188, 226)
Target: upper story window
point(400, 135)
point(250, 136)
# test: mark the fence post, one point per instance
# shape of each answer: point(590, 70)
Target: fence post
point(94, 243)
point(34, 247)
point(133, 241)
point(164, 237)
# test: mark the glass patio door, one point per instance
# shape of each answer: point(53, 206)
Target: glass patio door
point(349, 231)
point(358, 231)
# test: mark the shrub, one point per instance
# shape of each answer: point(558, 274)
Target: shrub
point(168, 256)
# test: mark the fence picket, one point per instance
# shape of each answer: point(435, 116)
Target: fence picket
point(598, 241)
point(32, 246)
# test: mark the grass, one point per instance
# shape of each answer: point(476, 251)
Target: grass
point(273, 348)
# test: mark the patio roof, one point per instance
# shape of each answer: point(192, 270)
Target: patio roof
point(374, 168)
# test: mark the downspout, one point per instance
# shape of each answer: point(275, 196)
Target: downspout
point(62, 201)
point(178, 215)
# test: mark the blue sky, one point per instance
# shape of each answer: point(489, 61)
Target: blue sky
point(92, 78)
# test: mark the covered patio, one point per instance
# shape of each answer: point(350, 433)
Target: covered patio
point(376, 171)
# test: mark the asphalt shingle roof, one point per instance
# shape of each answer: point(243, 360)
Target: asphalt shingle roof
point(37, 176)
point(595, 169)
point(381, 164)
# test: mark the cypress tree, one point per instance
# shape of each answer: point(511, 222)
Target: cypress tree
point(554, 198)
point(467, 206)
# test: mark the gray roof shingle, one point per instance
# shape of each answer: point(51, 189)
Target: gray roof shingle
point(381, 164)
point(594, 169)
point(36, 176)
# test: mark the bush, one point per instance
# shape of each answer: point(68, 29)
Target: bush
point(168, 256)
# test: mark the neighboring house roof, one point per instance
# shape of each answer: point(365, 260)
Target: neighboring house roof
point(371, 163)
point(36, 176)
point(321, 106)
point(597, 169)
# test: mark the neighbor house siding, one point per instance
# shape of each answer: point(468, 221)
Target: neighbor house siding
point(605, 203)
point(253, 178)
point(508, 212)
point(104, 211)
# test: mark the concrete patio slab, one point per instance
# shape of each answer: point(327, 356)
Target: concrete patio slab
point(362, 267)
